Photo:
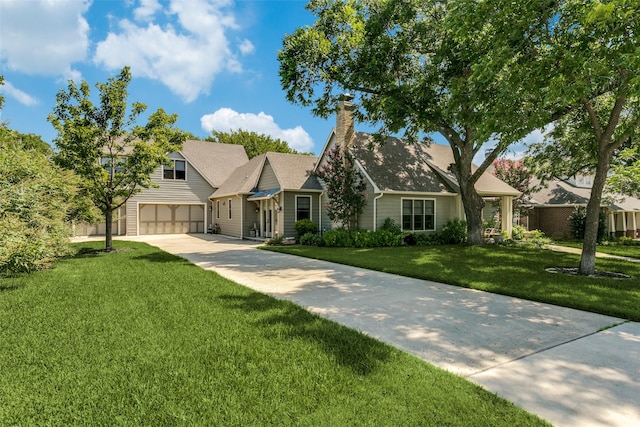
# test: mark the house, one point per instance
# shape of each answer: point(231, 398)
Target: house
point(180, 203)
point(553, 204)
point(410, 183)
point(266, 196)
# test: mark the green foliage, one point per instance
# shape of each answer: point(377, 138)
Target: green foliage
point(454, 232)
point(357, 238)
point(104, 146)
point(313, 239)
point(305, 226)
point(254, 143)
point(345, 188)
point(37, 200)
point(392, 226)
point(274, 241)
point(578, 221)
point(518, 232)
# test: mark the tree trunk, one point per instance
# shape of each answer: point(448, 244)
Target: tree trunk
point(592, 220)
point(108, 241)
point(473, 205)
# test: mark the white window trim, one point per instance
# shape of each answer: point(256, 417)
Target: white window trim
point(310, 206)
point(173, 161)
point(414, 199)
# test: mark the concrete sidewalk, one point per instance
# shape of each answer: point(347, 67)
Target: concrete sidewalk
point(547, 359)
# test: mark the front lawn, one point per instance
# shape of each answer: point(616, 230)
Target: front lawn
point(141, 337)
point(514, 271)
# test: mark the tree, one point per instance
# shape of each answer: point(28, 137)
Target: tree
point(37, 201)
point(594, 51)
point(345, 188)
point(517, 175)
point(253, 143)
point(104, 146)
point(421, 66)
point(625, 173)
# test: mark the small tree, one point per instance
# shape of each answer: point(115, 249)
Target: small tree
point(517, 175)
point(345, 188)
point(104, 146)
point(578, 223)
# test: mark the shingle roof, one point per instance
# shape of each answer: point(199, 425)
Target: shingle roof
point(399, 166)
point(559, 192)
point(213, 160)
point(291, 170)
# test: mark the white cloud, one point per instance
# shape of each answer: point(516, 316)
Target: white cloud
point(146, 10)
point(246, 47)
point(43, 36)
point(184, 55)
point(22, 97)
point(226, 119)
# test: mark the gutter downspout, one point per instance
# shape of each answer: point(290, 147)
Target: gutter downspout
point(375, 211)
point(320, 212)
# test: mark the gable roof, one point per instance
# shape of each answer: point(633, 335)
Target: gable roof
point(214, 161)
point(291, 170)
point(402, 167)
point(558, 192)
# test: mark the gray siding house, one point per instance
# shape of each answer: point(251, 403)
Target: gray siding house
point(265, 197)
point(409, 183)
point(180, 203)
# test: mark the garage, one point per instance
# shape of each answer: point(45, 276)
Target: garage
point(171, 219)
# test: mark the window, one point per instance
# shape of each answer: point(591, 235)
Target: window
point(229, 208)
point(303, 207)
point(177, 170)
point(418, 214)
point(218, 209)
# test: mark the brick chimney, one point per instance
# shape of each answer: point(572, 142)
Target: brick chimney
point(344, 121)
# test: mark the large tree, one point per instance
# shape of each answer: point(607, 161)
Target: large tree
point(253, 142)
point(104, 145)
point(594, 49)
point(422, 66)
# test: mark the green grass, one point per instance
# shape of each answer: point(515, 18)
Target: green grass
point(141, 337)
point(514, 271)
point(630, 251)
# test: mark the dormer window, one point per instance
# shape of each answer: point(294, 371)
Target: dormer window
point(176, 170)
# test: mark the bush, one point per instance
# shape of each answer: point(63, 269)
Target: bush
point(339, 237)
point(411, 239)
point(518, 232)
point(305, 226)
point(578, 221)
point(342, 237)
point(391, 226)
point(274, 241)
point(311, 239)
point(454, 232)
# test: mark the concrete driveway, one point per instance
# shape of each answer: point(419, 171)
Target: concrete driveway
point(547, 359)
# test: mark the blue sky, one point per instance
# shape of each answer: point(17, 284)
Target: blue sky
point(213, 62)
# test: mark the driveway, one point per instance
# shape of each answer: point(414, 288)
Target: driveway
point(550, 360)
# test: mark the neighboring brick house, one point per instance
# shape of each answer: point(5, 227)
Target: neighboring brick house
point(552, 206)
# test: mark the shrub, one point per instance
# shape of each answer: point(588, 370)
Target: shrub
point(274, 241)
point(339, 237)
point(311, 239)
point(454, 232)
point(578, 221)
point(518, 232)
point(411, 239)
point(305, 226)
point(391, 226)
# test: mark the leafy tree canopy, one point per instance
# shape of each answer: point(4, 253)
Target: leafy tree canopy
point(253, 143)
point(420, 66)
point(106, 147)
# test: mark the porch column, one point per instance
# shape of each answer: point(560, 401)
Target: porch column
point(507, 214)
point(612, 224)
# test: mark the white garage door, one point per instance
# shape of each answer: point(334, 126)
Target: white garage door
point(171, 219)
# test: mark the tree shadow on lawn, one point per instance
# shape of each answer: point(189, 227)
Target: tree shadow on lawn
point(352, 349)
